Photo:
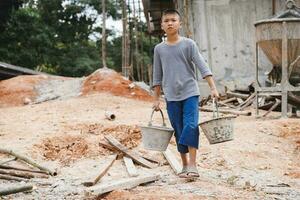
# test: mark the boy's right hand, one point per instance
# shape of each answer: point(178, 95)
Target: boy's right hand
point(156, 105)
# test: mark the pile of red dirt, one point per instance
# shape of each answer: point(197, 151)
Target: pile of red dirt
point(107, 80)
point(67, 149)
point(64, 149)
point(19, 90)
point(130, 136)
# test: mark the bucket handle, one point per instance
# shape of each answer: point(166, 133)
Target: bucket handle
point(215, 108)
point(162, 115)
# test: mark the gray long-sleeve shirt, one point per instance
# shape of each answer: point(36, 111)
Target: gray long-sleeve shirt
point(174, 69)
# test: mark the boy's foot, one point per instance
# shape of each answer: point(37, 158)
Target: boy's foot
point(192, 172)
point(183, 173)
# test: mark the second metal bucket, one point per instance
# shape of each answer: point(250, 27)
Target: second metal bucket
point(218, 129)
point(156, 138)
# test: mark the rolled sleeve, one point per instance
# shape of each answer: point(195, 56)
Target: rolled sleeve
point(157, 69)
point(199, 62)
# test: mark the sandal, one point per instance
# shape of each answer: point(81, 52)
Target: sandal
point(192, 172)
point(183, 173)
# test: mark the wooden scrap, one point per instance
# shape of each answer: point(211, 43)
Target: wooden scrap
point(103, 171)
point(127, 183)
point(11, 178)
point(272, 108)
point(240, 100)
point(134, 155)
point(27, 160)
point(228, 100)
point(15, 189)
point(21, 173)
point(227, 111)
point(114, 149)
point(237, 95)
point(247, 102)
point(22, 169)
point(174, 163)
point(131, 169)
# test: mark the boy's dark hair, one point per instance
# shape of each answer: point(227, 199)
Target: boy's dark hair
point(171, 11)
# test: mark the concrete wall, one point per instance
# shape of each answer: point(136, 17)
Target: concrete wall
point(225, 33)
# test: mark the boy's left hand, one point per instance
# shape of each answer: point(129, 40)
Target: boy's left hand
point(215, 93)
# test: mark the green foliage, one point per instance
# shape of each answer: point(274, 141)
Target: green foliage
point(54, 36)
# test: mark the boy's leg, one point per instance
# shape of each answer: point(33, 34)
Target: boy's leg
point(190, 133)
point(175, 113)
point(184, 159)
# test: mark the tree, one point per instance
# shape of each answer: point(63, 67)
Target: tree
point(103, 35)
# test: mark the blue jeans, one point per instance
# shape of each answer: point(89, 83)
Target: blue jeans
point(184, 116)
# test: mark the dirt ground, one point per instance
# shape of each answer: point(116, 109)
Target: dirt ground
point(262, 162)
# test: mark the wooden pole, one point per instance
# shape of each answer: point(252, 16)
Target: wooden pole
point(235, 112)
point(103, 171)
point(22, 174)
point(12, 178)
point(27, 160)
point(22, 169)
point(16, 189)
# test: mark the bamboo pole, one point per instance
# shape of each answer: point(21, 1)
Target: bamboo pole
point(12, 178)
point(22, 169)
point(27, 160)
point(22, 174)
point(16, 189)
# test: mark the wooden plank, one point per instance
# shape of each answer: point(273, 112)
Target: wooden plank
point(176, 166)
point(131, 169)
point(103, 171)
point(227, 111)
point(121, 184)
point(114, 149)
point(134, 155)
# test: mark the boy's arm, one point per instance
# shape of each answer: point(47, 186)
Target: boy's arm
point(213, 88)
point(156, 103)
point(157, 79)
point(200, 63)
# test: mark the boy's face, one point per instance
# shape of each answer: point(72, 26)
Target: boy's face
point(170, 23)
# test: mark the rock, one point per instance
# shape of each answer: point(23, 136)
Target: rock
point(27, 101)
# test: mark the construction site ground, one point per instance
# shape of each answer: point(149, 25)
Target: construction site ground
point(262, 162)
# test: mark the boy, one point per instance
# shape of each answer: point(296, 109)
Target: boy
point(174, 70)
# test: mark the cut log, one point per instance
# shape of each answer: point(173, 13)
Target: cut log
point(22, 169)
point(27, 160)
point(13, 178)
point(247, 102)
point(228, 100)
point(134, 155)
point(22, 174)
point(235, 112)
point(121, 184)
point(131, 169)
point(103, 171)
point(272, 108)
point(175, 165)
point(237, 95)
point(15, 189)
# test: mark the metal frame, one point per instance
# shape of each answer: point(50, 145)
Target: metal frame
point(285, 86)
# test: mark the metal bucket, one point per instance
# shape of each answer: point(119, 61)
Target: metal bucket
point(218, 129)
point(156, 138)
